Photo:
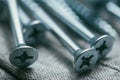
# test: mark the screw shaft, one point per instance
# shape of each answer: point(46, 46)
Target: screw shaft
point(76, 24)
point(15, 22)
point(113, 8)
point(25, 20)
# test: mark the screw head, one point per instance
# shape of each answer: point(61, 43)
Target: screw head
point(23, 56)
point(103, 45)
point(35, 30)
point(85, 60)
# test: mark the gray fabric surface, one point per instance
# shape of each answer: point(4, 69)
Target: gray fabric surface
point(54, 62)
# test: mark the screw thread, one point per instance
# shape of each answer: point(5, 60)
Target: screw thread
point(92, 19)
point(67, 8)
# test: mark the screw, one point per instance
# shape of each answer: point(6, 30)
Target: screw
point(76, 24)
point(91, 18)
point(113, 9)
point(23, 55)
point(97, 5)
point(111, 6)
point(3, 11)
point(33, 28)
point(84, 59)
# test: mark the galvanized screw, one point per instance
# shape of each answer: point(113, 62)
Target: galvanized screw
point(110, 5)
point(33, 28)
point(84, 59)
point(97, 5)
point(113, 9)
point(23, 55)
point(3, 11)
point(91, 18)
point(102, 44)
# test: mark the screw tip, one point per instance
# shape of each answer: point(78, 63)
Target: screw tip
point(23, 56)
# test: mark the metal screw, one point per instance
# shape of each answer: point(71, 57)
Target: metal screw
point(91, 18)
point(84, 59)
point(3, 11)
point(97, 42)
point(113, 9)
point(33, 28)
point(97, 5)
point(110, 5)
point(23, 55)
